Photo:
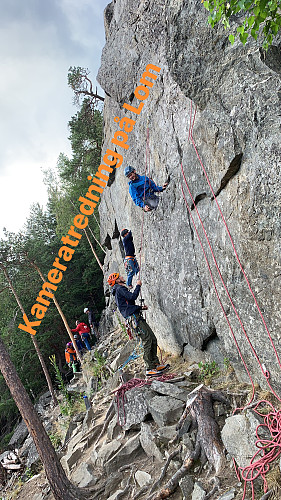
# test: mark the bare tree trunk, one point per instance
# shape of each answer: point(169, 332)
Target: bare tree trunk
point(35, 343)
point(61, 487)
point(97, 241)
point(208, 445)
point(92, 248)
point(60, 313)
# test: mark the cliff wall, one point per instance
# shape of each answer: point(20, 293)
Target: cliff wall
point(237, 91)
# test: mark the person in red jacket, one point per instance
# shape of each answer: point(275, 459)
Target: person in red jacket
point(83, 331)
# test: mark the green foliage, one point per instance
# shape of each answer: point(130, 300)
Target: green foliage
point(208, 370)
point(226, 364)
point(55, 439)
point(256, 16)
point(99, 368)
point(59, 379)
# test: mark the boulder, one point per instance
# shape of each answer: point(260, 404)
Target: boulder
point(186, 485)
point(105, 452)
point(244, 426)
point(134, 408)
point(142, 478)
point(165, 410)
point(229, 495)
point(166, 434)
point(147, 440)
point(198, 492)
point(83, 476)
point(123, 355)
point(169, 390)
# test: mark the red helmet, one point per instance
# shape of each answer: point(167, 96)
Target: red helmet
point(112, 278)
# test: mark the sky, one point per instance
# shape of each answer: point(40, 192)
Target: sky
point(39, 41)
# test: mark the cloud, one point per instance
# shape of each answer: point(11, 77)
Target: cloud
point(38, 42)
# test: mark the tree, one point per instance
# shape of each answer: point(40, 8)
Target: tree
point(61, 487)
point(82, 85)
point(257, 16)
point(35, 343)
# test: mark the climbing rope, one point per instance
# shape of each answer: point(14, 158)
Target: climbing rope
point(231, 240)
point(137, 352)
point(218, 297)
point(269, 449)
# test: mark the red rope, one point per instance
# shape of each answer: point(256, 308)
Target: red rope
point(232, 243)
point(218, 297)
point(120, 393)
point(269, 449)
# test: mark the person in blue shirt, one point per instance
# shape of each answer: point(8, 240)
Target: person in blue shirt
point(130, 261)
point(142, 189)
point(125, 302)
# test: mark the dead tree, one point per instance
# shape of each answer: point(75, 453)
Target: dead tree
point(208, 445)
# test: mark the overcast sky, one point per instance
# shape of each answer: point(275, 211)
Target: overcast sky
point(39, 41)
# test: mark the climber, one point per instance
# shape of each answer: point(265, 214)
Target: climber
point(125, 302)
point(70, 356)
point(93, 324)
point(79, 343)
point(130, 261)
point(142, 189)
point(83, 331)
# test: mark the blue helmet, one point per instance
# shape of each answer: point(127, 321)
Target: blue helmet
point(128, 170)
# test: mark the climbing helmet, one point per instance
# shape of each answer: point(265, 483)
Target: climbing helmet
point(112, 278)
point(128, 170)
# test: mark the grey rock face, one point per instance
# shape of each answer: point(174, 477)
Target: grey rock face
point(125, 455)
point(237, 90)
point(19, 435)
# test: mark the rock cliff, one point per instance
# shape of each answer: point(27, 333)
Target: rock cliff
point(237, 91)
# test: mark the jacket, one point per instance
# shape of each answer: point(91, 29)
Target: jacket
point(128, 244)
point(70, 355)
point(136, 189)
point(125, 300)
point(81, 328)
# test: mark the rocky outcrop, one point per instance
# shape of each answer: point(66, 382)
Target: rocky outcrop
point(237, 91)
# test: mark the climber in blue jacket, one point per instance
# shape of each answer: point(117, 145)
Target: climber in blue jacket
point(142, 189)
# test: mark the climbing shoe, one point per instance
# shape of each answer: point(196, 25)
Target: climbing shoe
point(162, 368)
point(152, 373)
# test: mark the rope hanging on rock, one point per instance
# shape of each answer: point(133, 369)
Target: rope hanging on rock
point(231, 240)
point(269, 449)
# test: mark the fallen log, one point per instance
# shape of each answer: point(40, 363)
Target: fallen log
point(208, 445)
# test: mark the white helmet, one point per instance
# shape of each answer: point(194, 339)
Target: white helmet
point(86, 309)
